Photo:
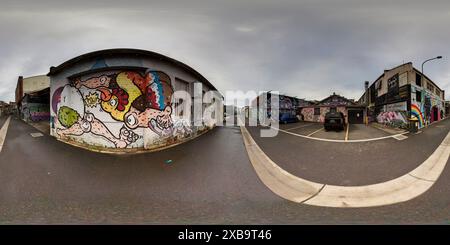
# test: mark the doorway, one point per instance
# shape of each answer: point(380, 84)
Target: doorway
point(356, 116)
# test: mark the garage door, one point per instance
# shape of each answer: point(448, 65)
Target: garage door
point(355, 116)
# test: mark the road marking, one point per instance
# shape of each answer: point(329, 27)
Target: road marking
point(335, 140)
point(346, 132)
point(339, 141)
point(301, 126)
point(35, 135)
point(320, 129)
point(388, 131)
point(3, 131)
point(400, 137)
point(293, 188)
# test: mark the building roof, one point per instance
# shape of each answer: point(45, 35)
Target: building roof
point(339, 97)
point(126, 51)
point(408, 63)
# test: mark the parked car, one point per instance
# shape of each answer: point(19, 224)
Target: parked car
point(334, 120)
point(288, 118)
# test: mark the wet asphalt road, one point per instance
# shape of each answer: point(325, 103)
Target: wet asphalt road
point(210, 181)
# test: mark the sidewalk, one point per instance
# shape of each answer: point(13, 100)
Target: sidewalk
point(387, 129)
point(42, 126)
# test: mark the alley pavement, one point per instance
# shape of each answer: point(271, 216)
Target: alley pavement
point(209, 180)
point(351, 163)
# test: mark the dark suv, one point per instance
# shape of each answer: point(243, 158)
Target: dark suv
point(334, 120)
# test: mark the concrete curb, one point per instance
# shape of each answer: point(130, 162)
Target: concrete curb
point(299, 190)
point(3, 132)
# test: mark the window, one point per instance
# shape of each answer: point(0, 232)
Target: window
point(430, 87)
point(317, 111)
point(332, 109)
point(378, 84)
point(419, 96)
point(418, 80)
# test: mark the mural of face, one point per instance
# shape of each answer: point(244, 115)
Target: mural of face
point(158, 121)
point(111, 104)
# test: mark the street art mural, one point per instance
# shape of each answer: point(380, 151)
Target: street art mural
point(288, 112)
point(309, 114)
point(393, 118)
point(286, 103)
point(35, 112)
point(317, 112)
point(417, 113)
point(394, 115)
point(123, 100)
point(426, 106)
point(117, 106)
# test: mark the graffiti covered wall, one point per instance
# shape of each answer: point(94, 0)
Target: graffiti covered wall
point(426, 106)
point(34, 112)
point(310, 116)
point(394, 115)
point(118, 108)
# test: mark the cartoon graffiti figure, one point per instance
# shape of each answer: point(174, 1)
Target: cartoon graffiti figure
point(158, 121)
point(116, 92)
point(74, 121)
point(138, 101)
point(76, 125)
point(153, 108)
point(182, 127)
point(95, 82)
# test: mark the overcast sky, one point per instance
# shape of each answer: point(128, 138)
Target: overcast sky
point(307, 49)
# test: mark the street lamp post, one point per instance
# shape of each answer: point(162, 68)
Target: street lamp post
point(435, 58)
point(423, 76)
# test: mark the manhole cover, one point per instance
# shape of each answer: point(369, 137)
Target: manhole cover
point(35, 135)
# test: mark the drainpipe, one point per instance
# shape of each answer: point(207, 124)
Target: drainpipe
point(366, 102)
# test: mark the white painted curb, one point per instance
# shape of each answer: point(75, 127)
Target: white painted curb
point(3, 131)
point(299, 190)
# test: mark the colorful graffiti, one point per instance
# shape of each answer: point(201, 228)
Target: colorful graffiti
point(137, 100)
point(426, 106)
point(416, 112)
point(394, 114)
point(393, 118)
point(310, 116)
point(34, 112)
point(285, 102)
